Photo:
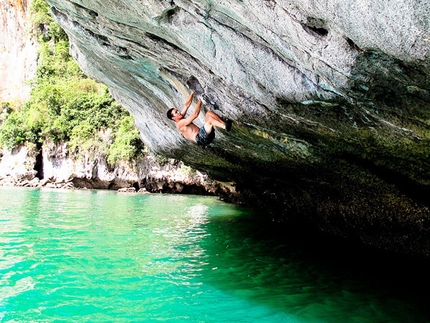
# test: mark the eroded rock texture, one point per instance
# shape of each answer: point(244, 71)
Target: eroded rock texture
point(330, 100)
point(18, 50)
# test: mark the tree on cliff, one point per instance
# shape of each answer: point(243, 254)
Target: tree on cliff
point(65, 105)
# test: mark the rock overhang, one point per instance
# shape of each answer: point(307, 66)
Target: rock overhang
point(329, 103)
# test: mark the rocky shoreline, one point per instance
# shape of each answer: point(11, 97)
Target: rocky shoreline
point(52, 166)
point(30, 180)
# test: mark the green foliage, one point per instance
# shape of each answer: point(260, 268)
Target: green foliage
point(43, 24)
point(126, 142)
point(67, 106)
point(187, 170)
point(12, 133)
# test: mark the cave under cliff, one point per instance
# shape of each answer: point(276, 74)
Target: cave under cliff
point(329, 101)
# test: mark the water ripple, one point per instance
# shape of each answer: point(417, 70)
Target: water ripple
point(104, 257)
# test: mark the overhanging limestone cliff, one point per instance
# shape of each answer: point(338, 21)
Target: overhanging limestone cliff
point(330, 100)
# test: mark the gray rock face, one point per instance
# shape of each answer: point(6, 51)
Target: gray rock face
point(329, 99)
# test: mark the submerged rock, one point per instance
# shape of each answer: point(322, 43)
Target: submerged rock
point(329, 101)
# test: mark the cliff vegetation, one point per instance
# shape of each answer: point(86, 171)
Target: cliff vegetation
point(67, 106)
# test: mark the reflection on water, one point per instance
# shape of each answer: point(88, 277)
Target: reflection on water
point(106, 257)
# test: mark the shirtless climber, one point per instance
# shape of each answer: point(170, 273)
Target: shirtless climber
point(203, 136)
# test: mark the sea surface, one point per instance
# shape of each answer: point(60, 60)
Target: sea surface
point(101, 256)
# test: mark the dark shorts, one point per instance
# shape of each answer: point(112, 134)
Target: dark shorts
point(203, 138)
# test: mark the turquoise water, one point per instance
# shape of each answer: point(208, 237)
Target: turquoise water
point(98, 256)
